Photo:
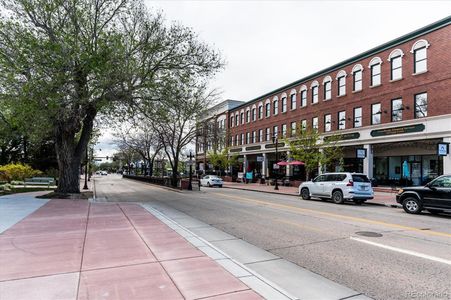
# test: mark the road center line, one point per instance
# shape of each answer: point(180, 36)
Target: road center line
point(333, 215)
point(409, 252)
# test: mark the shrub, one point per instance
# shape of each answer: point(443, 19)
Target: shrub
point(17, 172)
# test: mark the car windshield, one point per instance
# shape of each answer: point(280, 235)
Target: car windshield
point(360, 178)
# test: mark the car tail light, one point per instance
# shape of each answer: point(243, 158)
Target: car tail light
point(350, 183)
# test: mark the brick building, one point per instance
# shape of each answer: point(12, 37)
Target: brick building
point(392, 100)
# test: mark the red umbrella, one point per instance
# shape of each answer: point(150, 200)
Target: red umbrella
point(282, 163)
point(297, 163)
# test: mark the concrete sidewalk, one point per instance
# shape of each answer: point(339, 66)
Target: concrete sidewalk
point(72, 249)
point(380, 198)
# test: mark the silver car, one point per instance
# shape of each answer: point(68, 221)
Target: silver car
point(339, 187)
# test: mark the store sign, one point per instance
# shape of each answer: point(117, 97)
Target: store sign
point(360, 153)
point(269, 146)
point(253, 148)
point(345, 136)
point(442, 149)
point(235, 150)
point(398, 130)
point(260, 158)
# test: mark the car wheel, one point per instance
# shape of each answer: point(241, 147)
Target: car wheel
point(337, 197)
point(435, 211)
point(412, 205)
point(305, 194)
point(208, 184)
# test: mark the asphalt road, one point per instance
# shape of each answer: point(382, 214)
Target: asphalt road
point(409, 258)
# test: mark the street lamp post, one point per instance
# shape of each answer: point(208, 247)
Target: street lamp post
point(276, 141)
point(190, 183)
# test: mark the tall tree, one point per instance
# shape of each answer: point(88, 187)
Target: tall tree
point(174, 118)
point(65, 62)
point(309, 147)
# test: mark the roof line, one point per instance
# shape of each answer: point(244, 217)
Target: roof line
point(404, 38)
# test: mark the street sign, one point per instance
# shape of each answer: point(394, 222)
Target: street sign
point(442, 149)
point(260, 158)
point(360, 153)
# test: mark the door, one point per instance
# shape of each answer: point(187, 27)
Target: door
point(317, 187)
point(439, 193)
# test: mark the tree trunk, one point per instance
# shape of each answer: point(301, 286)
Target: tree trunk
point(174, 177)
point(68, 164)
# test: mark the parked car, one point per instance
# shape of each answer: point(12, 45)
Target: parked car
point(103, 173)
point(339, 187)
point(435, 196)
point(211, 180)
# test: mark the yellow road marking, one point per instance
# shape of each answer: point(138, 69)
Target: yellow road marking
point(333, 215)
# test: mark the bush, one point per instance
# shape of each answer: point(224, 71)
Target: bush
point(17, 172)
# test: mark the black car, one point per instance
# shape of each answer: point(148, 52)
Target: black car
point(434, 196)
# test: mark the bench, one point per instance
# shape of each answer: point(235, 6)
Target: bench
point(48, 181)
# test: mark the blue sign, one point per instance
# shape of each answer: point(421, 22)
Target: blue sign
point(249, 175)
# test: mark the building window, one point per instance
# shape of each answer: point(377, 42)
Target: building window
point(236, 140)
point(396, 66)
point(303, 98)
point(315, 123)
point(357, 72)
point(275, 107)
point(231, 121)
point(293, 129)
point(268, 134)
point(254, 114)
point(376, 113)
point(396, 110)
point(260, 135)
point(260, 111)
point(303, 125)
point(375, 75)
point(284, 130)
point(242, 118)
point(357, 117)
point(248, 116)
point(254, 137)
point(242, 139)
point(268, 109)
point(327, 90)
point(421, 105)
point(315, 94)
point(341, 82)
point(248, 137)
point(275, 131)
point(341, 120)
point(293, 101)
point(231, 141)
point(420, 57)
point(327, 122)
point(284, 104)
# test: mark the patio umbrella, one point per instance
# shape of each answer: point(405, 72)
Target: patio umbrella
point(297, 163)
point(282, 163)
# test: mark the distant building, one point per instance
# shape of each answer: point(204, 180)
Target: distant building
point(212, 133)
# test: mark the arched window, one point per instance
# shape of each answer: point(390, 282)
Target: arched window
point(314, 87)
point(341, 83)
point(267, 108)
point(303, 92)
point(260, 110)
point(375, 67)
point(237, 121)
point(242, 117)
point(395, 59)
point(275, 106)
point(293, 99)
point(419, 50)
point(327, 83)
point(248, 115)
point(284, 102)
point(357, 71)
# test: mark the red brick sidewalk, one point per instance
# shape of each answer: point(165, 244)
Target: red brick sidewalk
point(380, 198)
point(76, 250)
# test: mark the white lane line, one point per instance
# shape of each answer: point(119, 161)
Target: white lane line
point(409, 252)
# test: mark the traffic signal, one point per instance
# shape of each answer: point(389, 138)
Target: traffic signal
point(107, 158)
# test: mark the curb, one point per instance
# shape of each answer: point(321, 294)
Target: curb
point(156, 185)
point(275, 193)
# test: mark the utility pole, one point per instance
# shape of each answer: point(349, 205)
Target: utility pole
point(275, 140)
point(190, 183)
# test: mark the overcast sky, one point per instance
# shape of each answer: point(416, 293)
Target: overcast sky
point(267, 44)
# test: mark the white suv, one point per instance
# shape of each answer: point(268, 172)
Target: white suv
point(339, 187)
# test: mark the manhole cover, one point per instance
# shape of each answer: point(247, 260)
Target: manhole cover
point(368, 233)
